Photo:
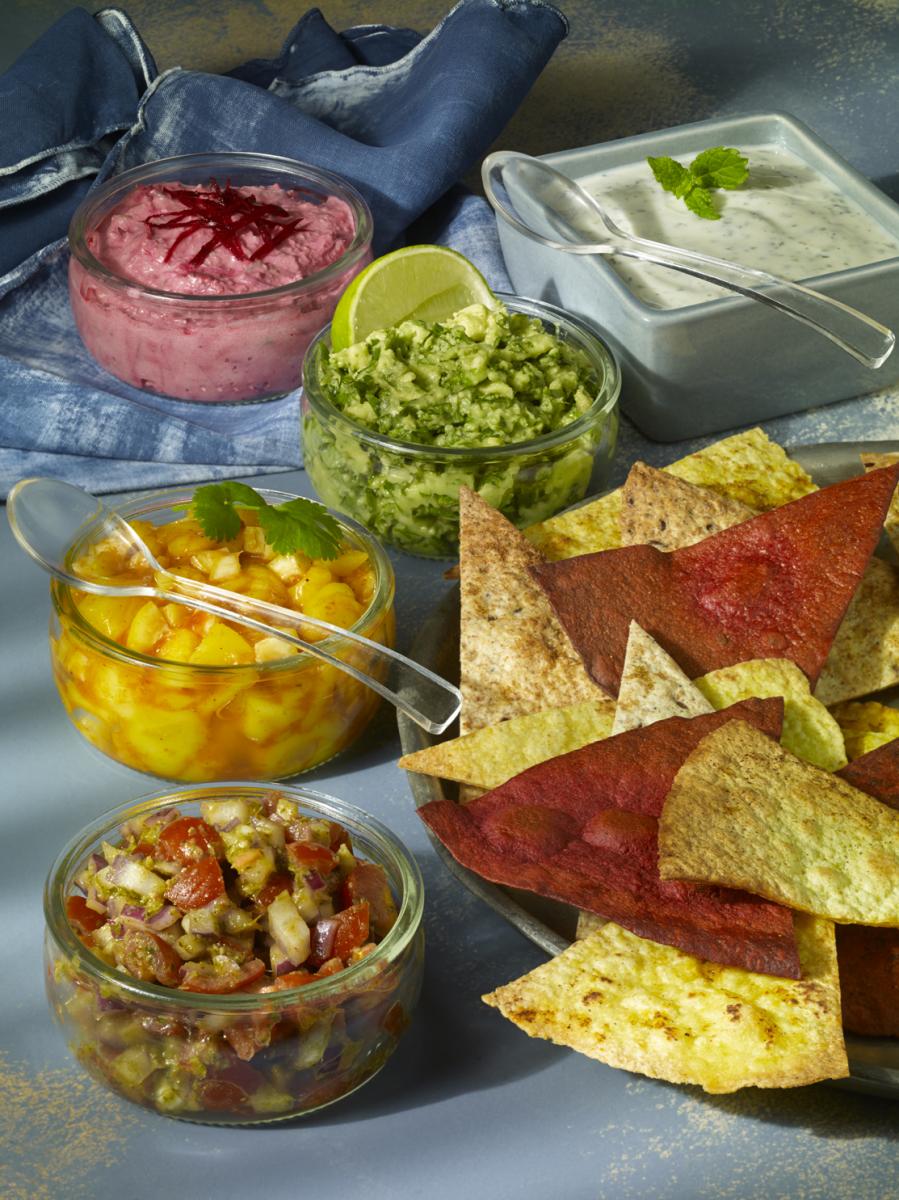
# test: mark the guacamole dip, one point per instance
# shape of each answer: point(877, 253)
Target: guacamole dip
point(444, 395)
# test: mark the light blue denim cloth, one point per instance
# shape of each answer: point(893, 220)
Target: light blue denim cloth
point(402, 117)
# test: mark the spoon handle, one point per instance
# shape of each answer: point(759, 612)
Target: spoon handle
point(859, 335)
point(430, 701)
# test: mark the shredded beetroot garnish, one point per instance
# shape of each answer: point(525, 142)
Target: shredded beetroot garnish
point(227, 212)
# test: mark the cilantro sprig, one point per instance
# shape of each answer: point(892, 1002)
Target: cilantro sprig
point(297, 525)
point(718, 167)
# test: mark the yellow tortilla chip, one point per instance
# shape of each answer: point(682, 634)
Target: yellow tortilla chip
point(653, 687)
point(645, 1007)
point(488, 757)
point(745, 813)
point(866, 725)
point(748, 467)
point(873, 462)
point(809, 730)
point(658, 509)
point(515, 656)
point(864, 657)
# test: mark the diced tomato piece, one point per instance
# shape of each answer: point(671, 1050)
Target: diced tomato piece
point(310, 856)
point(282, 882)
point(189, 839)
point(291, 979)
point(243, 1041)
point(396, 1019)
point(81, 916)
point(215, 980)
point(196, 885)
point(331, 967)
point(220, 1095)
point(369, 882)
point(352, 929)
point(339, 837)
point(146, 956)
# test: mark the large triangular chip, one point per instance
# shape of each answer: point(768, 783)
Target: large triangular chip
point(582, 829)
point(864, 657)
point(745, 813)
point(658, 509)
point(777, 585)
point(487, 757)
point(653, 686)
point(644, 1007)
point(515, 656)
point(747, 467)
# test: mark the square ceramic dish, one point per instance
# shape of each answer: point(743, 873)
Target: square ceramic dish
point(726, 362)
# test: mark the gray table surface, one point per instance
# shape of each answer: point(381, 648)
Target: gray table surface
point(468, 1106)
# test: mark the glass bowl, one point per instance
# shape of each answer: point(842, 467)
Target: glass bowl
point(242, 1057)
point(244, 343)
point(196, 723)
point(408, 494)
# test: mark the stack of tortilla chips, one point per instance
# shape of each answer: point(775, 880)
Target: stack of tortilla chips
point(646, 737)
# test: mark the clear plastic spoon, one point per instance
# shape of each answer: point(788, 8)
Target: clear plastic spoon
point(48, 516)
point(548, 207)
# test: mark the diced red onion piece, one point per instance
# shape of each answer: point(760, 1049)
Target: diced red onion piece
point(134, 911)
point(167, 916)
point(107, 1004)
point(323, 933)
point(315, 880)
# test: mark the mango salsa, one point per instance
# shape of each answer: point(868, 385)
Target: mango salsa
point(175, 692)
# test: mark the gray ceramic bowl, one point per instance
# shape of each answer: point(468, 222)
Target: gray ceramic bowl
point(724, 362)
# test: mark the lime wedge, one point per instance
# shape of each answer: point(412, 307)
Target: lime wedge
point(428, 283)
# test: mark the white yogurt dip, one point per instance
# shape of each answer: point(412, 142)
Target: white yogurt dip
point(787, 219)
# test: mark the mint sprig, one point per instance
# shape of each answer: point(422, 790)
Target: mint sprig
point(718, 167)
point(297, 525)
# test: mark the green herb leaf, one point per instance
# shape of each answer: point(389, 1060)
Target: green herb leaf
point(299, 525)
point(722, 167)
point(718, 167)
point(699, 200)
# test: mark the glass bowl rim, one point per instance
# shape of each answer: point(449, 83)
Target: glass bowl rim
point(577, 329)
point(115, 187)
point(355, 819)
point(381, 601)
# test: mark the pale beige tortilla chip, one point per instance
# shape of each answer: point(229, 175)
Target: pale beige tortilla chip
point(488, 757)
point(515, 656)
point(866, 725)
point(864, 657)
point(745, 813)
point(653, 687)
point(748, 467)
point(649, 1008)
point(660, 510)
point(809, 730)
point(873, 462)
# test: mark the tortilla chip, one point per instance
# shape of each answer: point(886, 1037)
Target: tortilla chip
point(489, 756)
point(745, 813)
point(779, 584)
point(864, 657)
point(660, 510)
point(653, 686)
point(809, 730)
point(748, 467)
point(582, 829)
point(653, 1009)
point(866, 725)
point(873, 462)
point(876, 773)
point(515, 656)
point(869, 979)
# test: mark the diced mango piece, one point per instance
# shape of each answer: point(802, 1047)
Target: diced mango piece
point(270, 649)
point(146, 629)
point(179, 645)
point(347, 563)
point(166, 742)
point(222, 646)
point(110, 615)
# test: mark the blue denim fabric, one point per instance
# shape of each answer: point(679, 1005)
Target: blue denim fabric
point(402, 117)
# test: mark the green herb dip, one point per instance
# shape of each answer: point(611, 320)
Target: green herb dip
point(484, 378)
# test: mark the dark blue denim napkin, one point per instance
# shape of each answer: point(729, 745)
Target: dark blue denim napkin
point(401, 116)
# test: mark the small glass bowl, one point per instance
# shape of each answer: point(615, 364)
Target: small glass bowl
point(173, 1051)
point(197, 723)
point(408, 494)
point(214, 348)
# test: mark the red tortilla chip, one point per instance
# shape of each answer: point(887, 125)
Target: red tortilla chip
point(582, 828)
point(876, 773)
point(776, 586)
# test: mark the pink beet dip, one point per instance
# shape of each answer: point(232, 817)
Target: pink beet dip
point(211, 290)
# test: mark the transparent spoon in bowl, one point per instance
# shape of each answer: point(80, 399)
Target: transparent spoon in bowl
point(548, 207)
point(48, 516)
